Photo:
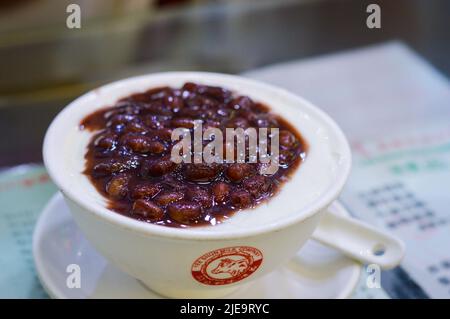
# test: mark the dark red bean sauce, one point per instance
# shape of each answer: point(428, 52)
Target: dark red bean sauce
point(128, 158)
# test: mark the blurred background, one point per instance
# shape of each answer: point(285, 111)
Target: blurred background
point(387, 88)
point(44, 64)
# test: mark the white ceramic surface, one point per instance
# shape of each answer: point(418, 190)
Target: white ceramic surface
point(315, 272)
point(210, 262)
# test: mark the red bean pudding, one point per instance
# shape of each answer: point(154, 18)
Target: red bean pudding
point(128, 159)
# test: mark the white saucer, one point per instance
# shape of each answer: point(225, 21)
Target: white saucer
point(316, 272)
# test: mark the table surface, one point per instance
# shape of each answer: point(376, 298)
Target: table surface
point(36, 81)
point(229, 39)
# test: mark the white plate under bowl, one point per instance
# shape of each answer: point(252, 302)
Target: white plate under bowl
point(315, 272)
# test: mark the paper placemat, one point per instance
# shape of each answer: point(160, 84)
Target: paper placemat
point(24, 191)
point(394, 108)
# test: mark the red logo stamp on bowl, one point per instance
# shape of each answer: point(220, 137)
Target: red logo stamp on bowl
point(226, 265)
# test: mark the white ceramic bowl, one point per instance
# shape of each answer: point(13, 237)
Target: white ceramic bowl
point(179, 262)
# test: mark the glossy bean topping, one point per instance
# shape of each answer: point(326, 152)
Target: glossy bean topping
point(147, 209)
point(128, 157)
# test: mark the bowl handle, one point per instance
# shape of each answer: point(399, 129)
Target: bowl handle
point(360, 240)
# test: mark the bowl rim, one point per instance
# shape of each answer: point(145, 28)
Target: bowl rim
point(148, 229)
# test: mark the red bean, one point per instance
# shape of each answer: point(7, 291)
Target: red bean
point(189, 86)
point(241, 199)
point(105, 169)
point(158, 93)
point(199, 195)
point(106, 141)
point(286, 157)
point(147, 209)
point(117, 187)
point(140, 97)
point(201, 172)
point(215, 92)
point(221, 191)
point(168, 197)
point(156, 147)
point(237, 122)
point(157, 167)
point(242, 103)
point(172, 183)
point(101, 170)
point(135, 127)
point(120, 119)
point(238, 171)
point(190, 113)
point(165, 134)
point(146, 190)
point(174, 102)
point(158, 108)
point(184, 212)
point(155, 122)
point(210, 124)
point(257, 185)
point(265, 120)
point(143, 144)
point(129, 107)
point(286, 138)
point(138, 143)
point(182, 122)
